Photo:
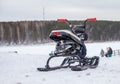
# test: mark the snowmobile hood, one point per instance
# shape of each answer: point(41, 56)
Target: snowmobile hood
point(65, 34)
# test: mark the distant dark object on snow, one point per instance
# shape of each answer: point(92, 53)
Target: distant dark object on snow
point(108, 52)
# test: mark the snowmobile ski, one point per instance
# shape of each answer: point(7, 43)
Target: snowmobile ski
point(79, 68)
point(48, 69)
point(52, 68)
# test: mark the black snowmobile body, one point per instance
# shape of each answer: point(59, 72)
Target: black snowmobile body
point(66, 35)
point(68, 45)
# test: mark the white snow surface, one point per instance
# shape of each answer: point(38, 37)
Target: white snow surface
point(18, 66)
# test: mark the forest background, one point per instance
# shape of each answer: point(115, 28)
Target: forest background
point(36, 32)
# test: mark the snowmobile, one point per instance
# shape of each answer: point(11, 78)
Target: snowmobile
point(68, 45)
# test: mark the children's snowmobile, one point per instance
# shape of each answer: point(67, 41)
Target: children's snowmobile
point(69, 45)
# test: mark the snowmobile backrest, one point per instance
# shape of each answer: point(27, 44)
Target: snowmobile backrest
point(78, 28)
point(58, 35)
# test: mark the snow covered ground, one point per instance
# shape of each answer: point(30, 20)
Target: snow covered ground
point(18, 66)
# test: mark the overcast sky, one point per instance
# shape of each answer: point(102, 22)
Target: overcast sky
point(17, 10)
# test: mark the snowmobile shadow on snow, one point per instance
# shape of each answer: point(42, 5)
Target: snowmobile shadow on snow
point(70, 45)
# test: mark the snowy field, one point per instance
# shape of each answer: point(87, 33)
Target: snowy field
point(18, 66)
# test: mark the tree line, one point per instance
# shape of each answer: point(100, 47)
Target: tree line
point(105, 31)
point(27, 32)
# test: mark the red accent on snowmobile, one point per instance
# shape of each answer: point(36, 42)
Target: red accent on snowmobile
point(91, 19)
point(61, 20)
point(55, 33)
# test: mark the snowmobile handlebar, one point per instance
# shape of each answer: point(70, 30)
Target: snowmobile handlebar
point(65, 20)
point(78, 26)
point(71, 25)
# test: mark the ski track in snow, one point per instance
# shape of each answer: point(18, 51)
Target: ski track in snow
point(18, 66)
